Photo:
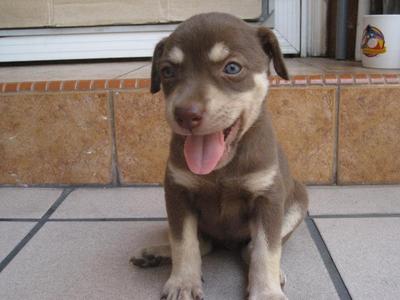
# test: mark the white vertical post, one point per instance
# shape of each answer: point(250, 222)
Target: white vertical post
point(304, 38)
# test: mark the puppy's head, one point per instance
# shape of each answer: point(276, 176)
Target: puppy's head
point(213, 71)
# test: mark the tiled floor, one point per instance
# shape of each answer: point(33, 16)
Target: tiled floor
point(76, 244)
point(141, 69)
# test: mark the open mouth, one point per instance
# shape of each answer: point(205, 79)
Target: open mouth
point(227, 131)
point(204, 152)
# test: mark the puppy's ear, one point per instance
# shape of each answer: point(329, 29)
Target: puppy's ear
point(270, 45)
point(155, 68)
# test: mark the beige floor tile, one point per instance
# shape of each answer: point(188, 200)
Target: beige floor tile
point(89, 260)
point(68, 71)
point(366, 252)
point(143, 71)
point(10, 234)
point(128, 202)
point(26, 202)
point(346, 200)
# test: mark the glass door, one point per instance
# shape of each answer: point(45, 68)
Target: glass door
point(100, 39)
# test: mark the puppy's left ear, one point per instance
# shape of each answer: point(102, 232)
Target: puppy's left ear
point(270, 45)
point(155, 68)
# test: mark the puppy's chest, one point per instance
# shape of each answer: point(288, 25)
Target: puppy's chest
point(224, 211)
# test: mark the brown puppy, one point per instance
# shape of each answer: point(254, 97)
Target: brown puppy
point(227, 180)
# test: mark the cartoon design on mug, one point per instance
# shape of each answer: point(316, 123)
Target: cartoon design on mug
point(373, 41)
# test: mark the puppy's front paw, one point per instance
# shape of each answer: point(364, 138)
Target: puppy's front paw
point(267, 295)
point(150, 257)
point(182, 289)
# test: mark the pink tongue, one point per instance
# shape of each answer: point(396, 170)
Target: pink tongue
point(203, 152)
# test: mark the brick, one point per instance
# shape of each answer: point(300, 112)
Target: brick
point(143, 83)
point(84, 85)
point(299, 80)
point(40, 86)
point(99, 84)
point(129, 84)
point(331, 79)
point(346, 79)
point(54, 86)
point(316, 79)
point(284, 82)
point(25, 86)
point(114, 84)
point(391, 78)
point(11, 87)
point(377, 79)
point(69, 85)
point(361, 78)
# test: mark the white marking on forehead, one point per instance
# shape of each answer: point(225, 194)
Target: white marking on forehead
point(176, 55)
point(218, 52)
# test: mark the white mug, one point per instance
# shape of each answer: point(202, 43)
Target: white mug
point(380, 42)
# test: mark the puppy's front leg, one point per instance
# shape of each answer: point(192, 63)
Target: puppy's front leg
point(185, 279)
point(265, 255)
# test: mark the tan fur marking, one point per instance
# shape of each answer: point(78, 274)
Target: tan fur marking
point(260, 181)
point(176, 55)
point(218, 52)
point(254, 99)
point(222, 111)
point(292, 217)
point(225, 108)
point(182, 177)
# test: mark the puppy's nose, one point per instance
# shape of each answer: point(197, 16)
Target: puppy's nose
point(188, 117)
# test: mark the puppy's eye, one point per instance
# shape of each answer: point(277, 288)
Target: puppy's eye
point(168, 72)
point(232, 68)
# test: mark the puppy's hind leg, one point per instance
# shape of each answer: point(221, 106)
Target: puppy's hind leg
point(298, 204)
point(245, 253)
point(296, 211)
point(265, 249)
point(155, 256)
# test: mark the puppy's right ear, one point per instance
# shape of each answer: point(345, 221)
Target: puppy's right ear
point(155, 68)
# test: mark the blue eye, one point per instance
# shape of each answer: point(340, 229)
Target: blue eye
point(232, 68)
point(168, 72)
